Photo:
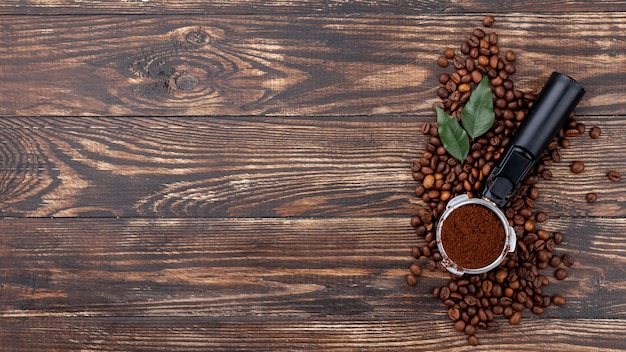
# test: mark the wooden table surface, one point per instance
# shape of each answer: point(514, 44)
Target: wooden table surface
point(185, 175)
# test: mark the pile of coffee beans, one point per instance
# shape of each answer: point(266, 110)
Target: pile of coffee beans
point(476, 301)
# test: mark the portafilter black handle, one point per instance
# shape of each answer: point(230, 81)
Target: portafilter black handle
point(555, 103)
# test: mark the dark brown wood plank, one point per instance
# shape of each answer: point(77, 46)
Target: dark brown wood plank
point(273, 65)
point(255, 167)
point(257, 283)
point(283, 334)
point(54, 7)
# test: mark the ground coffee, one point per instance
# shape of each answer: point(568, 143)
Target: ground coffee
point(473, 236)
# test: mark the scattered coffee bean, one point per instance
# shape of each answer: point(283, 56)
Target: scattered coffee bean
point(555, 261)
point(558, 237)
point(416, 269)
point(474, 301)
point(558, 300)
point(515, 318)
point(614, 176)
point(567, 260)
point(454, 313)
point(510, 56)
point(411, 280)
point(560, 274)
point(577, 167)
point(472, 340)
point(449, 53)
point(595, 132)
point(488, 21)
point(459, 325)
point(591, 197)
point(442, 61)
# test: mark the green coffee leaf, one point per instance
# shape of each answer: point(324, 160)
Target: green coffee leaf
point(452, 135)
point(477, 116)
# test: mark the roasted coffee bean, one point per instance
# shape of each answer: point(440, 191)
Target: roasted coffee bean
point(493, 38)
point(416, 221)
point(444, 293)
point(431, 265)
point(483, 60)
point(560, 274)
point(415, 269)
point(472, 340)
point(558, 237)
point(577, 167)
point(444, 78)
point(614, 176)
point(546, 301)
point(411, 280)
point(510, 56)
point(476, 76)
point(595, 132)
point(451, 87)
point(471, 300)
point(458, 62)
point(550, 244)
point(416, 252)
point(505, 301)
point(542, 256)
point(543, 234)
point(493, 63)
point(448, 53)
point(591, 197)
point(454, 313)
point(488, 21)
point(478, 33)
point(515, 318)
point(541, 216)
point(567, 260)
point(465, 48)
point(459, 326)
point(473, 41)
point(453, 286)
point(442, 92)
point(556, 155)
point(442, 61)
point(555, 261)
point(572, 132)
point(471, 311)
point(558, 300)
point(463, 88)
point(537, 310)
point(470, 329)
point(546, 175)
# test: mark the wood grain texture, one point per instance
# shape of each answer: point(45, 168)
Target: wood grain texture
point(269, 65)
point(189, 175)
point(255, 167)
point(283, 334)
point(348, 8)
point(192, 284)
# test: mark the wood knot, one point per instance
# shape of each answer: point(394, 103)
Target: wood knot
point(186, 82)
point(198, 37)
